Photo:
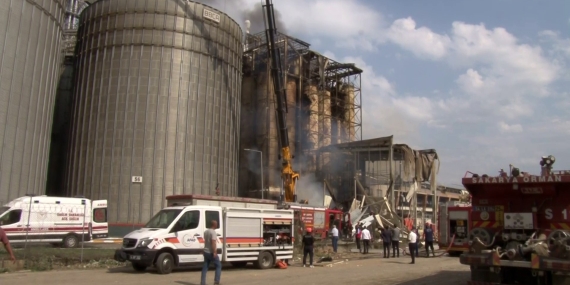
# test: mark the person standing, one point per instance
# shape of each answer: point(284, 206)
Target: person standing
point(428, 238)
point(358, 237)
point(6, 243)
point(415, 230)
point(412, 243)
point(308, 241)
point(395, 241)
point(365, 240)
point(211, 253)
point(334, 233)
point(386, 241)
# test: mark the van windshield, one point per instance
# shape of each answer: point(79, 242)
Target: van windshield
point(163, 219)
point(3, 210)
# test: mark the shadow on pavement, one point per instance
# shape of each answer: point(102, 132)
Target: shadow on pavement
point(127, 269)
point(442, 278)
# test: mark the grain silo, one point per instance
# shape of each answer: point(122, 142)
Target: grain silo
point(157, 99)
point(30, 59)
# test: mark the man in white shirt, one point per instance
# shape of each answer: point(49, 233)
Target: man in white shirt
point(412, 241)
point(334, 233)
point(365, 239)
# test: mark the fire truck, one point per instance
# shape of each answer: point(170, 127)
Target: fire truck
point(321, 219)
point(454, 222)
point(520, 227)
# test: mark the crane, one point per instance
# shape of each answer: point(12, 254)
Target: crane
point(288, 175)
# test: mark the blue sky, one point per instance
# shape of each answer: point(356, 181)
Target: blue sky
point(485, 83)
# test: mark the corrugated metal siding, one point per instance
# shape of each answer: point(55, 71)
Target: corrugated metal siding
point(157, 95)
point(30, 60)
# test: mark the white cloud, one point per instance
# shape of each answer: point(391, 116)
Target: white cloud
point(506, 128)
point(420, 41)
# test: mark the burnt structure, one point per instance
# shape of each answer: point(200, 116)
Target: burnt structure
point(323, 108)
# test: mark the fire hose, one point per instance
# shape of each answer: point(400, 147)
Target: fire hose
point(439, 254)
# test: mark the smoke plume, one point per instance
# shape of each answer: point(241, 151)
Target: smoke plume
point(240, 12)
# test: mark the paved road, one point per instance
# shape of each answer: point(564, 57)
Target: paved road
point(440, 271)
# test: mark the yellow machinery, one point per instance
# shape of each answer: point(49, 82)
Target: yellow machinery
point(288, 175)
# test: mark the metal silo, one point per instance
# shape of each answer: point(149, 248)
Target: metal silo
point(30, 58)
point(157, 96)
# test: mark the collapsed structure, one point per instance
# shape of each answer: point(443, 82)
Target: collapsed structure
point(375, 176)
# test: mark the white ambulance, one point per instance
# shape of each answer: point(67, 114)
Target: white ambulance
point(175, 237)
point(55, 220)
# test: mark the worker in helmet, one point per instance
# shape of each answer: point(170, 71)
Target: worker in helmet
point(308, 241)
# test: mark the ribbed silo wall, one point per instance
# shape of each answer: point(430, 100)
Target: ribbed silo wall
point(157, 95)
point(30, 60)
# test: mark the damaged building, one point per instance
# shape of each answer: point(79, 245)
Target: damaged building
point(323, 108)
point(391, 181)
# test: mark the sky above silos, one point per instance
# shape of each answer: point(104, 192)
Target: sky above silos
point(485, 83)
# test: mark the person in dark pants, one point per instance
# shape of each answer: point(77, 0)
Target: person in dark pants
point(308, 241)
point(428, 238)
point(395, 241)
point(386, 240)
point(412, 244)
point(417, 241)
point(358, 236)
point(366, 237)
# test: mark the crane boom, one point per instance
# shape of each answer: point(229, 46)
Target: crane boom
point(288, 176)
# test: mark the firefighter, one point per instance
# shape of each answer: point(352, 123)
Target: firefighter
point(428, 238)
point(308, 241)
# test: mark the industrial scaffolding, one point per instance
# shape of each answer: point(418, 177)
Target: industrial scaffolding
point(326, 103)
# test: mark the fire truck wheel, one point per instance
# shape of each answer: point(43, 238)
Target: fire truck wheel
point(164, 263)
point(139, 267)
point(265, 260)
point(70, 241)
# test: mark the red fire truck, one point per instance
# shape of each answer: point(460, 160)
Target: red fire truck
point(520, 227)
point(454, 221)
point(320, 219)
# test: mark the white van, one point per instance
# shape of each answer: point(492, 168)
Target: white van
point(175, 237)
point(55, 220)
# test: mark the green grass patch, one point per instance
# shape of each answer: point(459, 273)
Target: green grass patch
point(46, 258)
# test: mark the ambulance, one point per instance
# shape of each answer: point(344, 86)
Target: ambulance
point(174, 237)
point(55, 220)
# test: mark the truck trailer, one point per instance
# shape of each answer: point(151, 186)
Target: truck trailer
point(520, 227)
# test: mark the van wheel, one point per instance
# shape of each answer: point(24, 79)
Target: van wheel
point(164, 263)
point(265, 260)
point(139, 267)
point(70, 241)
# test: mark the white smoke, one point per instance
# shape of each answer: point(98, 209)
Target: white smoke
point(309, 188)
